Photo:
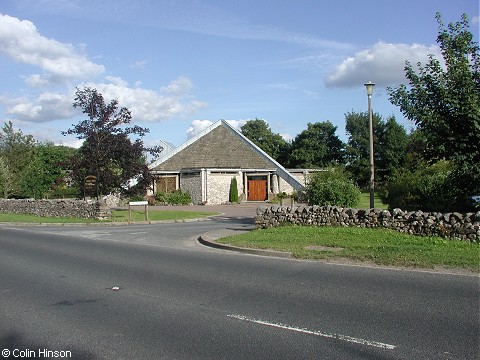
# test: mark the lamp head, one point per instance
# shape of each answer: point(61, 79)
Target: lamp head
point(369, 86)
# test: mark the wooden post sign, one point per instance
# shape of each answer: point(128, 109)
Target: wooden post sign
point(137, 203)
point(90, 185)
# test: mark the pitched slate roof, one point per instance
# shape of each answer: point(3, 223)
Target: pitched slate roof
point(221, 146)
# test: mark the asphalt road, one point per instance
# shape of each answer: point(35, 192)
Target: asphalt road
point(153, 292)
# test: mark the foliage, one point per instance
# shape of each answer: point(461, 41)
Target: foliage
point(332, 187)
point(259, 132)
point(6, 178)
point(136, 197)
point(282, 195)
point(233, 196)
point(63, 192)
point(47, 167)
point(389, 143)
point(16, 152)
point(392, 148)
point(29, 168)
point(176, 197)
point(317, 147)
point(426, 188)
point(107, 151)
point(443, 99)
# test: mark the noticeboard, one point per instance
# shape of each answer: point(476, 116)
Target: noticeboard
point(90, 185)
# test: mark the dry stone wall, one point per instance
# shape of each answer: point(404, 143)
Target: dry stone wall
point(449, 225)
point(55, 208)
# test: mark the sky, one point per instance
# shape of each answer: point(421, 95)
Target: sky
point(180, 65)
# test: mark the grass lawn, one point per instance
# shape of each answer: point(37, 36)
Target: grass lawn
point(379, 246)
point(117, 216)
point(156, 215)
point(365, 201)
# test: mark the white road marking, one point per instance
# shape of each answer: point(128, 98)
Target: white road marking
point(316, 333)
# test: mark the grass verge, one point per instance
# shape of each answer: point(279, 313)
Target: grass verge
point(117, 216)
point(157, 215)
point(378, 246)
point(365, 201)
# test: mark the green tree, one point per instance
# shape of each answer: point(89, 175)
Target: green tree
point(16, 150)
point(107, 151)
point(390, 143)
point(233, 196)
point(419, 188)
point(259, 132)
point(332, 187)
point(444, 102)
point(317, 146)
point(48, 166)
point(392, 148)
point(6, 178)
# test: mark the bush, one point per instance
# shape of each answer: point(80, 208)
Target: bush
point(233, 197)
point(426, 188)
point(63, 193)
point(176, 197)
point(332, 187)
point(137, 198)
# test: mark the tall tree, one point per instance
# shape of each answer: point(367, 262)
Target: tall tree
point(259, 132)
point(6, 178)
point(47, 167)
point(358, 148)
point(390, 141)
point(317, 146)
point(107, 152)
point(16, 150)
point(444, 103)
point(392, 148)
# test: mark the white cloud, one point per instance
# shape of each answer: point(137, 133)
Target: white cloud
point(237, 124)
point(475, 20)
point(46, 107)
point(383, 64)
point(174, 100)
point(287, 137)
point(181, 85)
point(36, 80)
point(117, 81)
point(139, 64)
point(20, 40)
point(198, 125)
point(145, 105)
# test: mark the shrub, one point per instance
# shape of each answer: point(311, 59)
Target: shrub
point(176, 197)
point(426, 188)
point(137, 198)
point(332, 187)
point(233, 197)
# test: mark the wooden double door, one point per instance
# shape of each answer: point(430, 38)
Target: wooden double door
point(257, 188)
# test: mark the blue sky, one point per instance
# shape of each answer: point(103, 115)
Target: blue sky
point(180, 65)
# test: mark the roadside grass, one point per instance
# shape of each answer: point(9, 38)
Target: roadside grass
point(158, 215)
point(365, 201)
point(117, 216)
point(378, 246)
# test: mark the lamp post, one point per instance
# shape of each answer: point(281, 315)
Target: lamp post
point(369, 86)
